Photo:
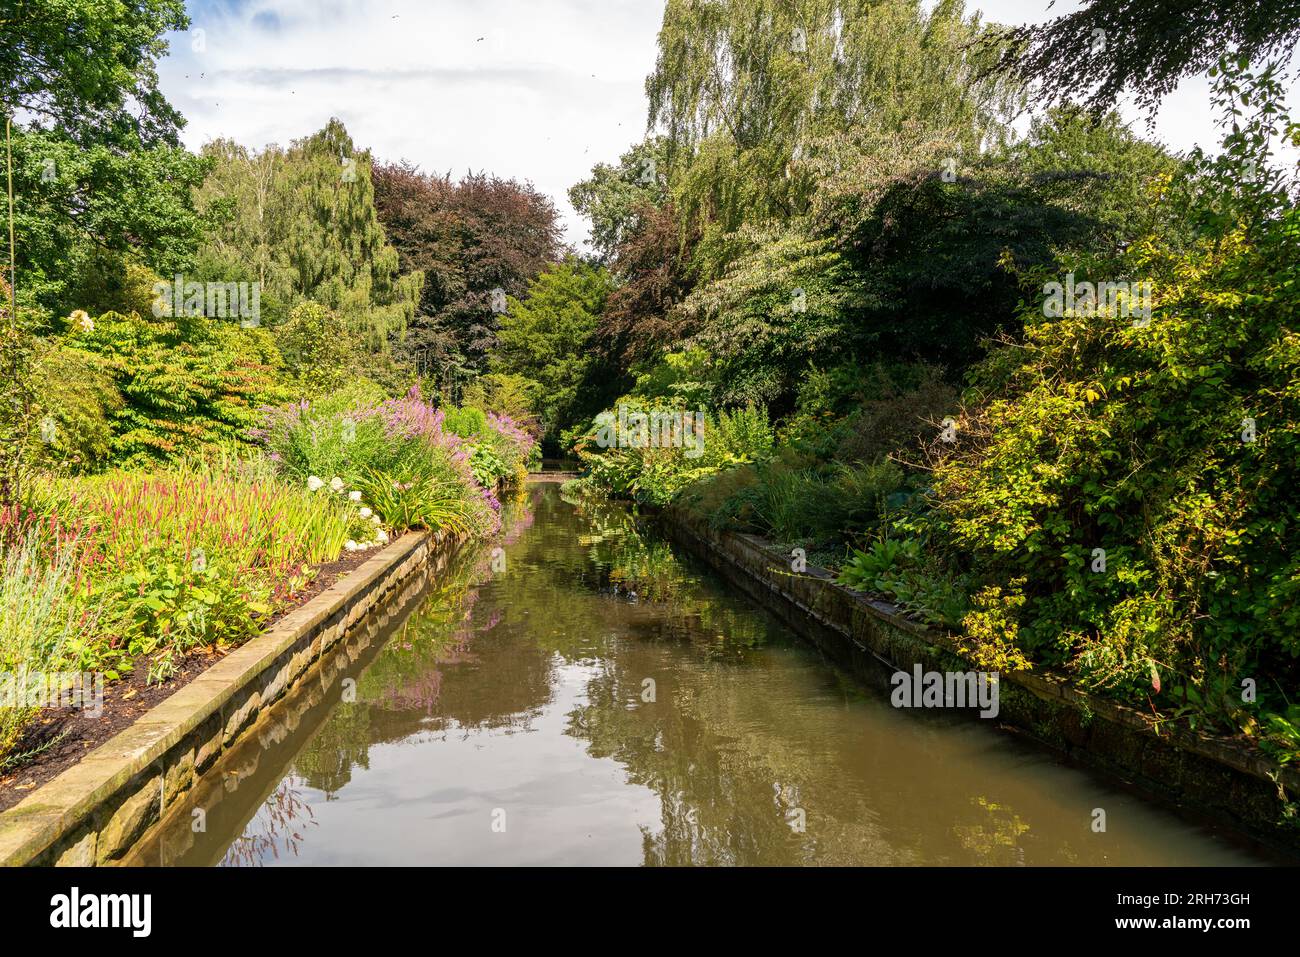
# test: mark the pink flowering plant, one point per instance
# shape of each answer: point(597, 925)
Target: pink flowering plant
point(155, 565)
point(411, 462)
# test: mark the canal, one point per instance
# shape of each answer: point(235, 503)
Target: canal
point(581, 692)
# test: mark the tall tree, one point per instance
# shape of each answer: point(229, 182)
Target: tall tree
point(78, 82)
point(614, 197)
point(88, 67)
point(87, 216)
point(477, 241)
point(303, 222)
point(744, 89)
point(546, 338)
point(652, 267)
point(99, 180)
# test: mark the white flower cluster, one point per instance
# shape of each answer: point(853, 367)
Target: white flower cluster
point(315, 484)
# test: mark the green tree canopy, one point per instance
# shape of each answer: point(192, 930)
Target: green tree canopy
point(545, 337)
point(614, 197)
point(88, 67)
point(745, 88)
point(85, 216)
point(303, 222)
point(1144, 46)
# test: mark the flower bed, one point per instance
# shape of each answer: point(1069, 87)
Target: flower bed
point(111, 573)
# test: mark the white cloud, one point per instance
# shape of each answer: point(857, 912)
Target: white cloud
point(531, 89)
point(537, 90)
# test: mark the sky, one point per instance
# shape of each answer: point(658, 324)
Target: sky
point(536, 90)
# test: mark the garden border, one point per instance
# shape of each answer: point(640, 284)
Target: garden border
point(1220, 778)
point(96, 810)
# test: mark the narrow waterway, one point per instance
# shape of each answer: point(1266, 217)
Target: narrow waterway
point(579, 692)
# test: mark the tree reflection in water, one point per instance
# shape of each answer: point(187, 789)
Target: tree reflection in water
point(625, 560)
point(402, 689)
point(751, 749)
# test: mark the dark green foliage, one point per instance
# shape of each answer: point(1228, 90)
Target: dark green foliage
point(1145, 47)
point(546, 338)
point(85, 216)
point(1171, 446)
point(937, 245)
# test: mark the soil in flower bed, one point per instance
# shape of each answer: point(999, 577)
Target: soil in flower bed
point(75, 733)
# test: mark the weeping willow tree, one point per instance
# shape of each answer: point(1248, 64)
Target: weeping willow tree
point(747, 91)
point(302, 221)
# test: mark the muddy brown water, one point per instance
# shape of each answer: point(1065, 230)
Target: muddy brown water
point(580, 692)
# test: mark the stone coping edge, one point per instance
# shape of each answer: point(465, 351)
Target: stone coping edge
point(1221, 777)
point(95, 810)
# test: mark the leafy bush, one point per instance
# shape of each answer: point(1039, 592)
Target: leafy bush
point(467, 422)
point(824, 504)
point(167, 600)
point(899, 570)
point(317, 350)
point(395, 450)
point(190, 385)
point(1140, 477)
point(488, 468)
point(499, 450)
point(655, 468)
point(869, 570)
point(991, 629)
point(426, 500)
point(78, 403)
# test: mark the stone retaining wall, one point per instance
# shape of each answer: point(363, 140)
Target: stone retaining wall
point(94, 812)
point(1222, 778)
point(273, 741)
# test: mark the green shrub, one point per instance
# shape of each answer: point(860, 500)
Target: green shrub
point(78, 402)
point(489, 469)
point(467, 422)
point(394, 450)
point(1140, 477)
point(870, 569)
point(189, 385)
point(991, 629)
point(428, 499)
point(793, 498)
point(500, 452)
point(900, 570)
point(1129, 439)
point(166, 601)
point(318, 351)
point(656, 467)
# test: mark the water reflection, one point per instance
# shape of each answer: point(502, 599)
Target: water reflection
point(600, 700)
point(277, 827)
